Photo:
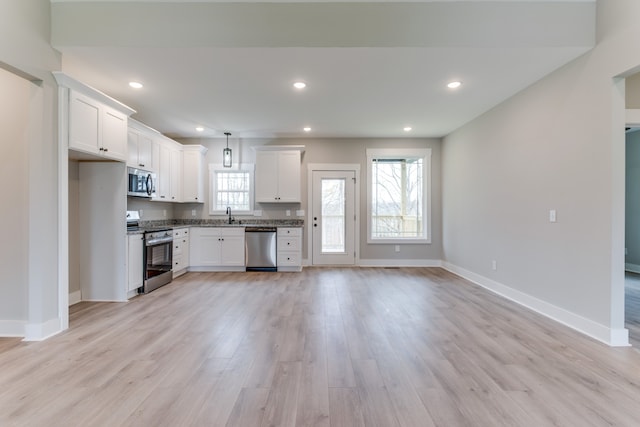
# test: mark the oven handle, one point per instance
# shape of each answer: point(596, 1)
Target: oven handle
point(159, 241)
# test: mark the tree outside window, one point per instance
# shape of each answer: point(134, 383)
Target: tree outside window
point(398, 196)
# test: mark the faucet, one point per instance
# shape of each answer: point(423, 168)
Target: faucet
point(229, 213)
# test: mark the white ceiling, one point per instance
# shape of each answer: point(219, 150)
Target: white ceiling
point(371, 68)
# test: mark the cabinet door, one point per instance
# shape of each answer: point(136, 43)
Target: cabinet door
point(289, 177)
point(114, 135)
point(164, 173)
point(84, 119)
point(266, 177)
point(132, 149)
point(145, 153)
point(192, 190)
point(232, 253)
point(204, 247)
point(135, 262)
point(175, 186)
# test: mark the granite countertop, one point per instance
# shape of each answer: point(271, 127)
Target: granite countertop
point(182, 223)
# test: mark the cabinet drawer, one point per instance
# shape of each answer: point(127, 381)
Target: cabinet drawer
point(289, 231)
point(287, 259)
point(180, 233)
point(177, 248)
point(288, 244)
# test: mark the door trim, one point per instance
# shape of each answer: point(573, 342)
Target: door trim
point(311, 167)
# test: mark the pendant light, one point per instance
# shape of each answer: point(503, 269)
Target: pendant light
point(226, 153)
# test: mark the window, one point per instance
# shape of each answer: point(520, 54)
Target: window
point(398, 195)
point(231, 188)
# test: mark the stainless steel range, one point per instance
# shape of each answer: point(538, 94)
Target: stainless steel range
point(158, 253)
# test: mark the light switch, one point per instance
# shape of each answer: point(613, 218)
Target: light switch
point(300, 212)
point(552, 215)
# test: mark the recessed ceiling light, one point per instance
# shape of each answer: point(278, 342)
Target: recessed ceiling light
point(454, 85)
point(200, 129)
point(407, 128)
point(135, 85)
point(306, 129)
point(299, 85)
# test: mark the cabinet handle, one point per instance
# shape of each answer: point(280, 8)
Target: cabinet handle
point(196, 198)
point(288, 243)
point(162, 197)
point(101, 149)
point(141, 165)
point(106, 149)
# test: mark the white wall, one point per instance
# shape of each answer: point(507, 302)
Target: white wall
point(557, 145)
point(334, 150)
point(25, 50)
point(14, 213)
point(74, 227)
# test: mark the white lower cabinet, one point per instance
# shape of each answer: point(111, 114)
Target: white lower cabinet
point(180, 251)
point(135, 263)
point(216, 249)
point(289, 252)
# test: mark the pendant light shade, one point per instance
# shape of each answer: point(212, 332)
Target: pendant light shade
point(226, 153)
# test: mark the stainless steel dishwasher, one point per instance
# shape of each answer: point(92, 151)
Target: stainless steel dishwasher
point(260, 248)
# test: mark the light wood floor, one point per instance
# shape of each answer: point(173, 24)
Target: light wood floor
point(326, 347)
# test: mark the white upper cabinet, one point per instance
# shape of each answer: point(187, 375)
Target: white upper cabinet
point(163, 173)
point(169, 170)
point(91, 122)
point(193, 167)
point(175, 175)
point(140, 148)
point(277, 175)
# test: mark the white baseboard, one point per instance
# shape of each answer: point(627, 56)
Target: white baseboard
point(42, 331)
point(390, 263)
point(75, 297)
point(400, 263)
point(612, 337)
point(12, 328)
point(633, 268)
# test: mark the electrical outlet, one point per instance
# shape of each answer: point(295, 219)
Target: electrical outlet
point(287, 212)
point(397, 248)
point(193, 212)
point(164, 213)
point(494, 265)
point(257, 212)
point(141, 213)
point(300, 212)
point(552, 215)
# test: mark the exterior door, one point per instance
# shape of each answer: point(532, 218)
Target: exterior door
point(333, 217)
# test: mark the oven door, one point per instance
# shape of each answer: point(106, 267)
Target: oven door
point(158, 263)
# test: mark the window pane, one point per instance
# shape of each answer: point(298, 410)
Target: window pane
point(333, 215)
point(397, 198)
point(232, 190)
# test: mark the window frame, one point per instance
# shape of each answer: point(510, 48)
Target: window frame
point(214, 169)
point(392, 153)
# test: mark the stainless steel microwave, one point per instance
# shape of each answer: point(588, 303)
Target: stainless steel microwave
point(142, 183)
